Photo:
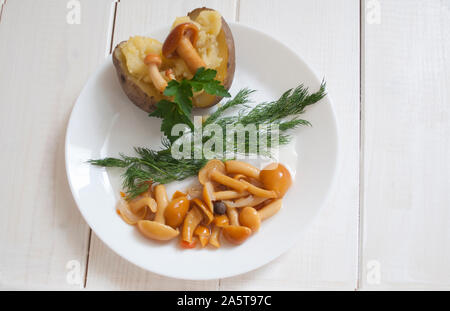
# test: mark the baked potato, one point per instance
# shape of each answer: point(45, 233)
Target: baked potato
point(145, 65)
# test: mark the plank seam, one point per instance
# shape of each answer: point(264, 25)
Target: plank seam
point(361, 141)
point(112, 28)
point(3, 4)
point(87, 258)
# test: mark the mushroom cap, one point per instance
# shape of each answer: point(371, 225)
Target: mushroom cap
point(153, 59)
point(156, 231)
point(204, 175)
point(236, 234)
point(173, 39)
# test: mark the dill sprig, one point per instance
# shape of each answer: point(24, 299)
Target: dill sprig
point(291, 104)
point(160, 167)
point(284, 112)
point(150, 165)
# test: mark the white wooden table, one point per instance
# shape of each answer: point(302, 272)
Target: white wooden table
point(387, 64)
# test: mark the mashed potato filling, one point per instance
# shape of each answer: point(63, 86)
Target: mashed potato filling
point(136, 48)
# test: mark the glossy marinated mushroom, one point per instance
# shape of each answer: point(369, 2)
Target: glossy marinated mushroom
point(232, 183)
point(233, 216)
point(250, 218)
point(192, 220)
point(181, 42)
point(176, 211)
point(258, 191)
point(129, 216)
point(157, 229)
point(239, 167)
point(203, 233)
point(236, 234)
point(162, 202)
point(229, 195)
point(153, 61)
point(208, 215)
point(276, 177)
point(221, 221)
point(270, 209)
point(243, 202)
point(204, 175)
point(214, 240)
point(137, 204)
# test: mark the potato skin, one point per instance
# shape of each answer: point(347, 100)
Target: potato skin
point(148, 103)
point(131, 89)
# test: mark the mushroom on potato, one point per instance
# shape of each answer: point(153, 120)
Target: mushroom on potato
point(145, 89)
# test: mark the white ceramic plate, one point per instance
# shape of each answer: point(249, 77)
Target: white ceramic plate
point(105, 123)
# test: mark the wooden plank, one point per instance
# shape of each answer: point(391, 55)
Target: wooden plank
point(44, 61)
point(106, 269)
point(326, 35)
point(139, 17)
point(406, 225)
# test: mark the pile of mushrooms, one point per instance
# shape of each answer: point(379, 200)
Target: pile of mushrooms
point(235, 198)
point(250, 195)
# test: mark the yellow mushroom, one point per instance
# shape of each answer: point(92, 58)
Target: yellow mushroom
point(129, 216)
point(229, 195)
point(153, 61)
point(203, 234)
point(208, 216)
point(233, 216)
point(180, 42)
point(247, 201)
point(162, 201)
point(259, 192)
point(214, 239)
point(236, 234)
point(228, 181)
point(250, 218)
point(276, 177)
point(137, 204)
point(208, 195)
point(176, 211)
point(270, 209)
point(192, 220)
point(204, 175)
point(239, 167)
point(221, 221)
point(156, 231)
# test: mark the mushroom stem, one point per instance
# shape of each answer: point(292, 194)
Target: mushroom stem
point(153, 61)
point(158, 81)
point(162, 201)
point(188, 53)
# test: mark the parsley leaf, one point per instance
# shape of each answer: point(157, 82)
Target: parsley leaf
point(182, 93)
point(170, 114)
point(204, 79)
point(179, 110)
point(204, 75)
point(215, 88)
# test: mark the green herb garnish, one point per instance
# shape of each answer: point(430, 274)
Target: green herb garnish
point(161, 167)
point(179, 110)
